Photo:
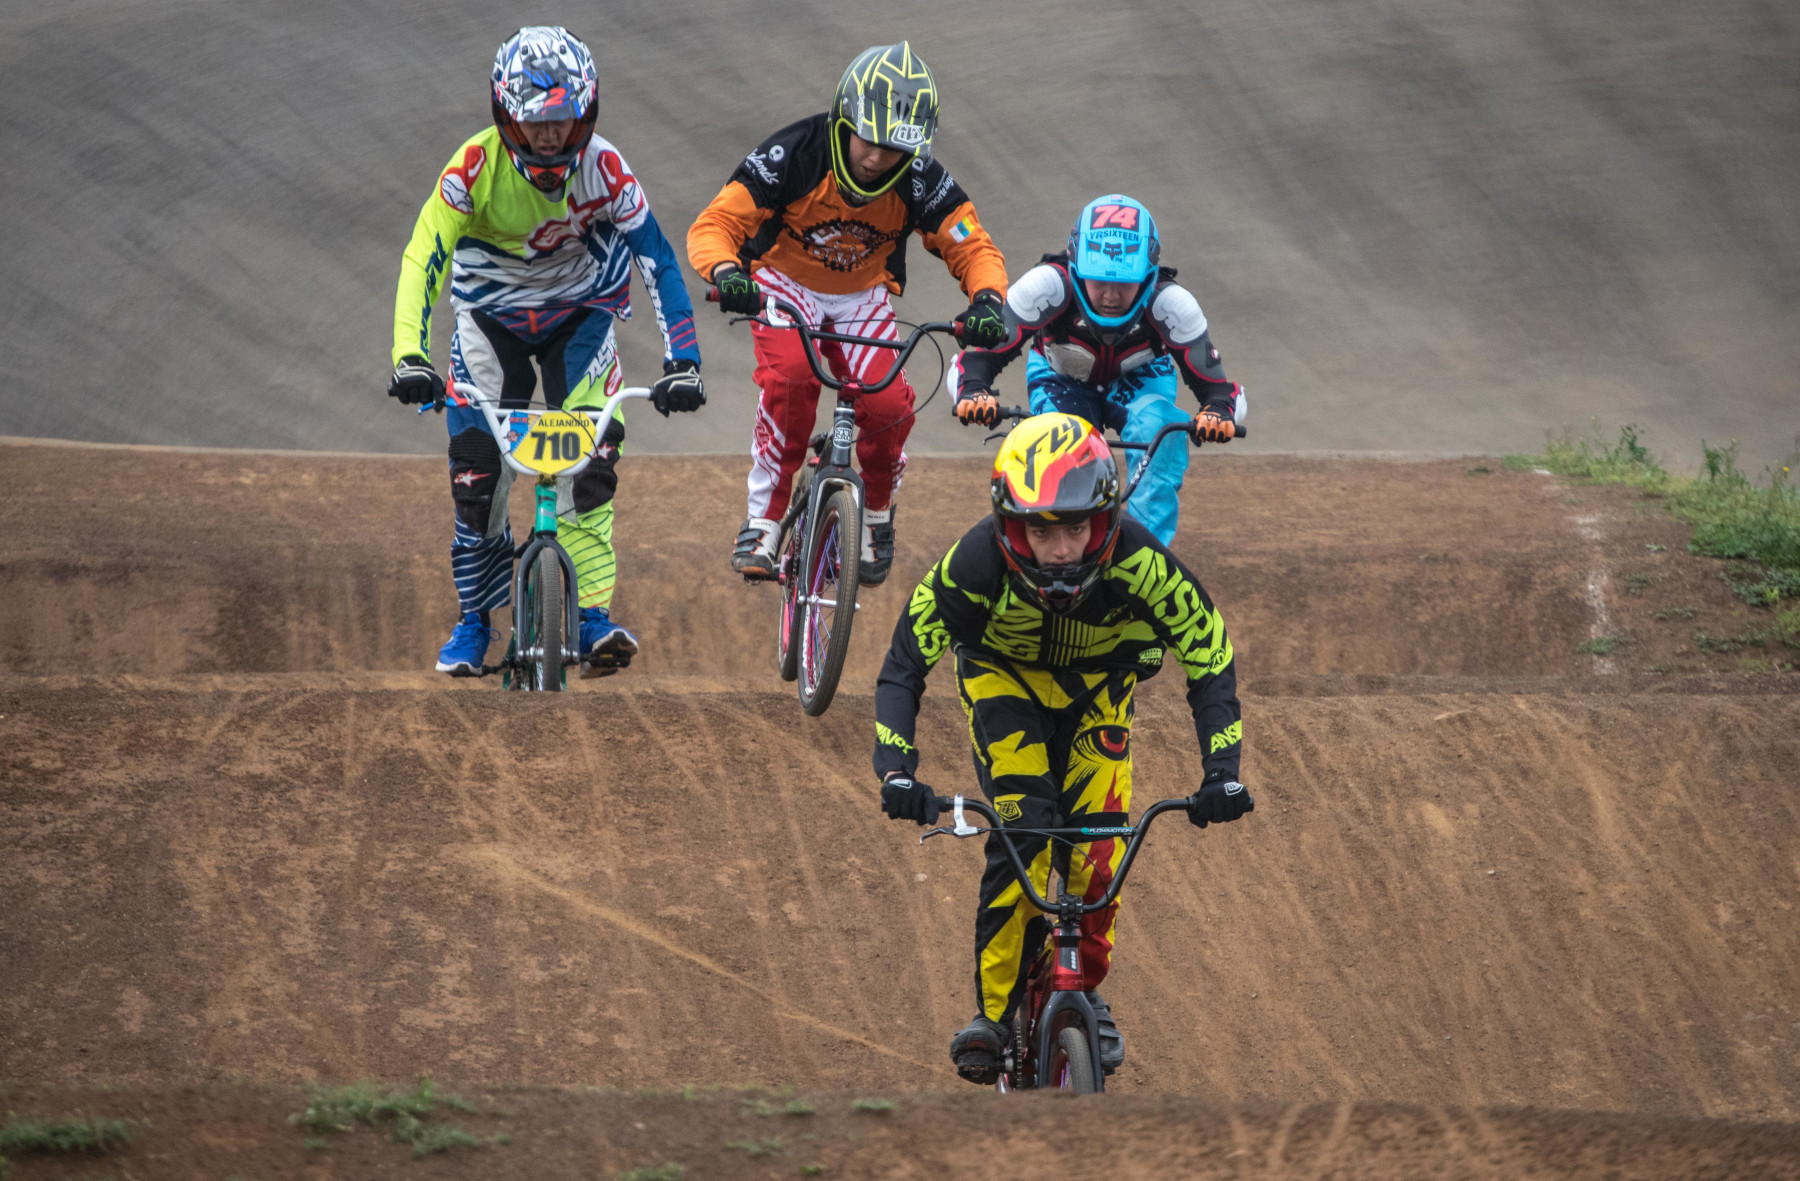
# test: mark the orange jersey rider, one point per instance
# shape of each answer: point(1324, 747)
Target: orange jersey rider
point(819, 216)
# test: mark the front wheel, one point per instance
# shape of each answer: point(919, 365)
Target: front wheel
point(543, 648)
point(1071, 1062)
point(788, 564)
point(827, 607)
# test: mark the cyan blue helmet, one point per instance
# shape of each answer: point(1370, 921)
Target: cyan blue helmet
point(1114, 241)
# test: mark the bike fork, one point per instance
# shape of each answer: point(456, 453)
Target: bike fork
point(1067, 995)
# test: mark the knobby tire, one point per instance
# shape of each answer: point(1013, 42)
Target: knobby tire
point(833, 543)
point(547, 618)
point(1071, 1065)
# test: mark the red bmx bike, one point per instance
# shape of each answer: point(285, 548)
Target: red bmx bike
point(1054, 1041)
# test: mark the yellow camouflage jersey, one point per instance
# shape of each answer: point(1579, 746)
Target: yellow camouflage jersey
point(1147, 607)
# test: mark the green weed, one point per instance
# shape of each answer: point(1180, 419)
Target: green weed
point(338, 1109)
point(668, 1172)
point(758, 1147)
point(1599, 645)
point(812, 1170)
point(1637, 584)
point(1480, 471)
point(20, 1136)
point(872, 1106)
point(1675, 613)
point(1733, 516)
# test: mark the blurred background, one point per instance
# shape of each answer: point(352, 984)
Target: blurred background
point(1441, 227)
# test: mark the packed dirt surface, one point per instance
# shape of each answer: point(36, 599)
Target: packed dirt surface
point(147, 561)
point(1425, 226)
point(224, 1130)
point(244, 834)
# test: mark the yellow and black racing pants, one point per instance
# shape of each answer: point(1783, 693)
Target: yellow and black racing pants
point(1050, 747)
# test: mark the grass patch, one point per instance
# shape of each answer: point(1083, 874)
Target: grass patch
point(1734, 517)
point(410, 1112)
point(1599, 645)
point(812, 1170)
point(668, 1172)
point(872, 1106)
point(21, 1136)
point(1675, 613)
point(758, 1147)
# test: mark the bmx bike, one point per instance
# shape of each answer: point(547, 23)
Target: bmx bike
point(1054, 1039)
point(545, 444)
point(820, 537)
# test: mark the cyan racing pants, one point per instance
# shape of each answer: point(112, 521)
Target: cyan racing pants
point(491, 357)
point(1137, 405)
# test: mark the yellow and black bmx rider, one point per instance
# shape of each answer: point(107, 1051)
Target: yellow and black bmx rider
point(1055, 606)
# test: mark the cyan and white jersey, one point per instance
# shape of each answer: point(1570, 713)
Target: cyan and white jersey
point(510, 247)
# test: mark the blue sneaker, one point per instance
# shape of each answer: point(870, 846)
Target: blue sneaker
point(606, 647)
point(467, 647)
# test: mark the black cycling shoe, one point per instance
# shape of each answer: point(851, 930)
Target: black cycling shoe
point(977, 1051)
point(1112, 1042)
point(877, 547)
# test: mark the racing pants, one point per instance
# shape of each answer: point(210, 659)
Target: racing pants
point(1136, 405)
point(1051, 749)
point(788, 403)
point(491, 359)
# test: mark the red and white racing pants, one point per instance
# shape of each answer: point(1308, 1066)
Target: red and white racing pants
point(789, 400)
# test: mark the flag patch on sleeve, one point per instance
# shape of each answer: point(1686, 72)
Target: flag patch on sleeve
point(961, 230)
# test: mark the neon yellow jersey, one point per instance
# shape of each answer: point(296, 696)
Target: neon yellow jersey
point(508, 245)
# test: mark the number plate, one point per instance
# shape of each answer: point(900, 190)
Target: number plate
point(555, 442)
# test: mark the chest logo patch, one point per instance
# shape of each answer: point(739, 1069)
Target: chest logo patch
point(842, 244)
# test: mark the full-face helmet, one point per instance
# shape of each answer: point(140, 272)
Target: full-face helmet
point(1115, 241)
point(889, 98)
point(544, 73)
point(1056, 469)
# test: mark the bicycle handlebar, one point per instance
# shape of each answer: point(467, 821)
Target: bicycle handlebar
point(1020, 414)
point(809, 335)
point(1134, 835)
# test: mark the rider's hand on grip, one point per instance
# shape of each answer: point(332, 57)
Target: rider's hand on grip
point(982, 409)
point(906, 799)
point(984, 322)
point(1221, 800)
point(1212, 427)
point(739, 294)
point(679, 388)
point(415, 382)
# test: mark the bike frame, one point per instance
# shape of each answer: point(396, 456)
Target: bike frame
point(509, 425)
point(1064, 996)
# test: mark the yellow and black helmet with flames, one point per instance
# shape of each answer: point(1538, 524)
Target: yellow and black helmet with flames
point(1056, 469)
point(889, 98)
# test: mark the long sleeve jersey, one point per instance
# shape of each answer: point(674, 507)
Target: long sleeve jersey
point(1145, 605)
point(512, 247)
point(782, 209)
point(1042, 311)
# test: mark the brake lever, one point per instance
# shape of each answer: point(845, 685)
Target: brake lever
point(750, 320)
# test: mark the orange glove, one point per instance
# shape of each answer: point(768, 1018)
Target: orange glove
point(981, 409)
point(1212, 427)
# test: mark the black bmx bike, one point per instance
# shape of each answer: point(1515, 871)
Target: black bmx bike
point(1054, 1040)
point(820, 537)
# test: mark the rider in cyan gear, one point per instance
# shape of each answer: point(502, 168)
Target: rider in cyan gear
point(819, 215)
point(1109, 329)
point(539, 220)
point(1055, 607)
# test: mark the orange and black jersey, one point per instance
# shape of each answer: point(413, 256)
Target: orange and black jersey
point(1145, 605)
point(781, 208)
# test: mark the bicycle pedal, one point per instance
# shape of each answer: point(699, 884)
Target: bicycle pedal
point(604, 666)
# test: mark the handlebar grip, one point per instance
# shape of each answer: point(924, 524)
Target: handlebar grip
point(1239, 431)
point(712, 294)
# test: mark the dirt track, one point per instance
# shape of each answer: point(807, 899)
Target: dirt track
point(246, 837)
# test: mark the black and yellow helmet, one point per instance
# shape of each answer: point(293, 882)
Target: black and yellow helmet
point(889, 98)
point(1055, 469)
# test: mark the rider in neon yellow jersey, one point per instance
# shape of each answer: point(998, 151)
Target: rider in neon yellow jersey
point(538, 221)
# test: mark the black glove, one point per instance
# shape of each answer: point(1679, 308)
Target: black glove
point(415, 382)
point(984, 323)
point(1221, 800)
point(679, 388)
point(904, 799)
point(739, 294)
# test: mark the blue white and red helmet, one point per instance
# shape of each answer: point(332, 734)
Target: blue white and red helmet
point(1114, 241)
point(544, 73)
